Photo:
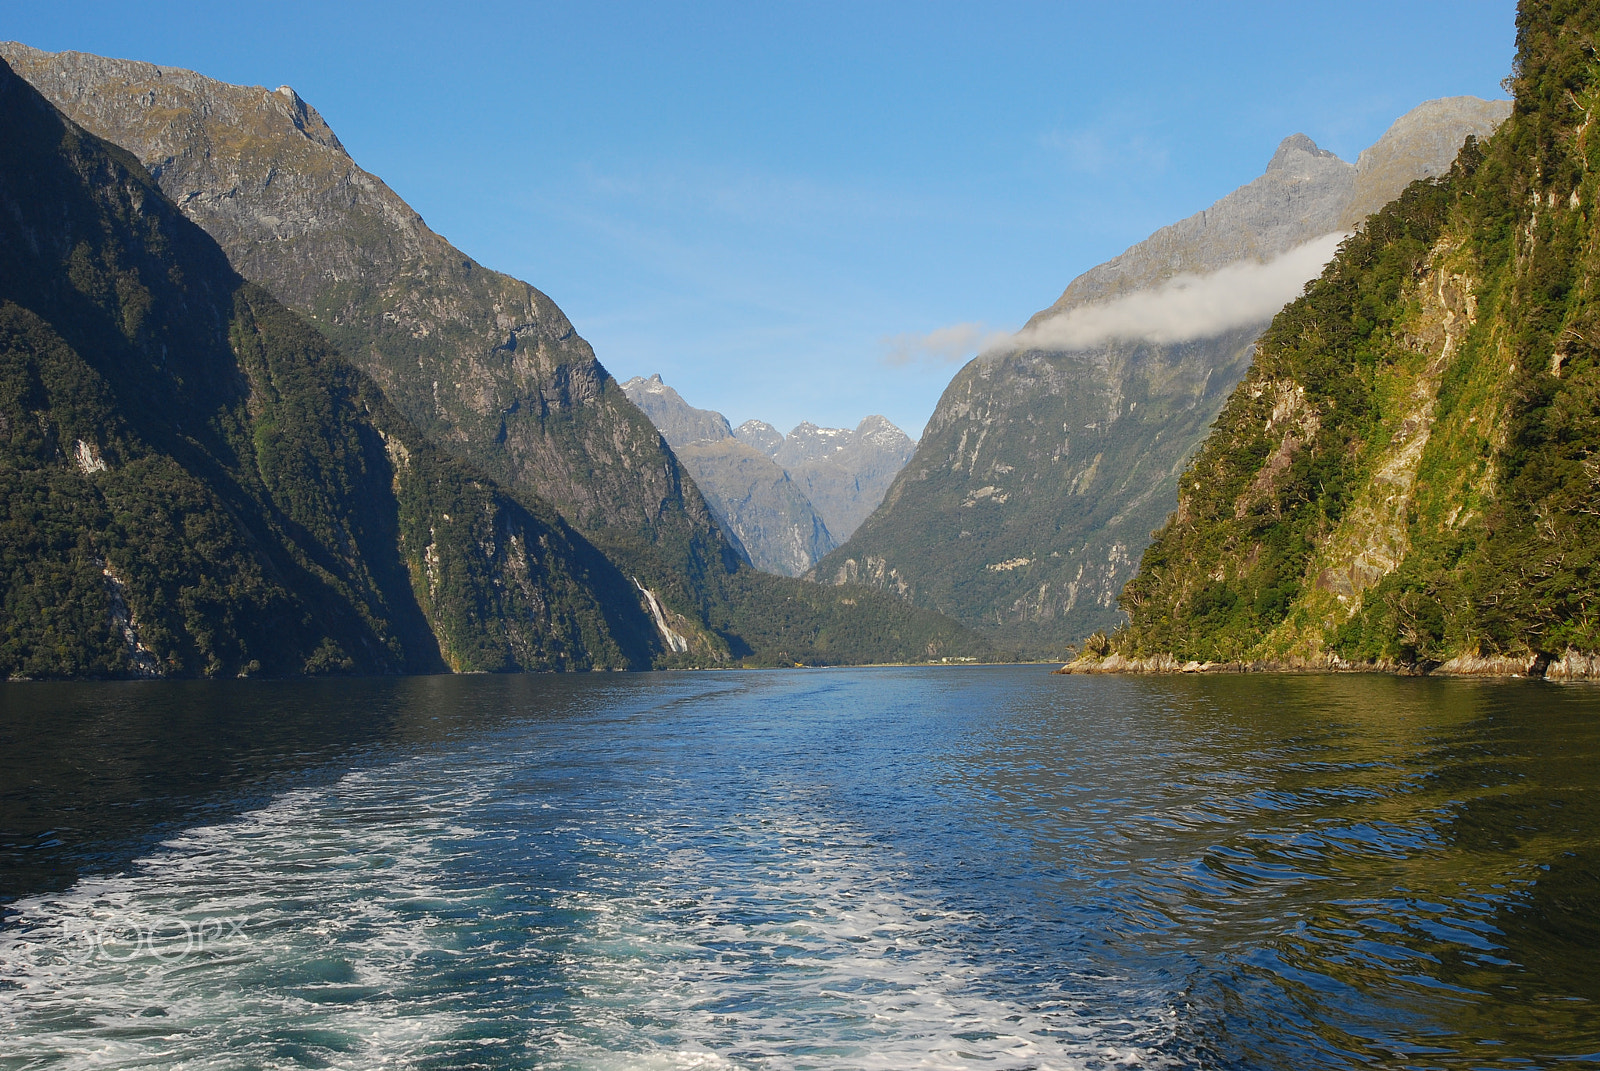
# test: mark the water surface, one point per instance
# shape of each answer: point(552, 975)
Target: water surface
point(962, 868)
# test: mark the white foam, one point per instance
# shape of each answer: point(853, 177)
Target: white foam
point(815, 946)
point(281, 906)
point(632, 936)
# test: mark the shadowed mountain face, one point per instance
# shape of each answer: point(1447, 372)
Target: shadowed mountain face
point(782, 497)
point(484, 364)
point(1043, 471)
point(193, 483)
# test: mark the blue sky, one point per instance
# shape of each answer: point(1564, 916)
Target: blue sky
point(754, 200)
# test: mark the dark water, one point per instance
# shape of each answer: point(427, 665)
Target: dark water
point(973, 868)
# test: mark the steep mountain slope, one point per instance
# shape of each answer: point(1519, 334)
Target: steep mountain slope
point(193, 483)
point(750, 494)
point(482, 363)
point(1410, 474)
point(1046, 466)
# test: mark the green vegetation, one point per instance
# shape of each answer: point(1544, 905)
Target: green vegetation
point(1411, 471)
point(777, 621)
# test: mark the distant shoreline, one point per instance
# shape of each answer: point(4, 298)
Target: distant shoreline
point(1572, 665)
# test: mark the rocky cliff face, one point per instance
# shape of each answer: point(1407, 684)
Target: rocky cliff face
point(1407, 476)
point(751, 495)
point(193, 483)
point(482, 363)
point(1044, 468)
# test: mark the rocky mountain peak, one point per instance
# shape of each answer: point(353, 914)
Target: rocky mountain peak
point(1292, 153)
point(678, 421)
point(761, 435)
point(878, 430)
point(810, 442)
point(1306, 192)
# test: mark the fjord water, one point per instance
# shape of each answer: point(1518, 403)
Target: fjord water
point(895, 868)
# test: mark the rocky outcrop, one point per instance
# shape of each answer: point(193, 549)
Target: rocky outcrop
point(1571, 666)
point(1574, 665)
point(1043, 471)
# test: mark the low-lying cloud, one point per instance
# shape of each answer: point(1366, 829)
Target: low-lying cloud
point(1187, 306)
point(1183, 308)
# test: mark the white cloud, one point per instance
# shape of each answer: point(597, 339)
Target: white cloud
point(1184, 307)
point(943, 346)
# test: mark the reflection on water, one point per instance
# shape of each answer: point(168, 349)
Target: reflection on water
point(887, 868)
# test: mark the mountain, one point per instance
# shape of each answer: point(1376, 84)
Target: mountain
point(750, 494)
point(194, 483)
point(783, 497)
point(761, 435)
point(1408, 476)
point(484, 365)
point(845, 471)
point(1047, 464)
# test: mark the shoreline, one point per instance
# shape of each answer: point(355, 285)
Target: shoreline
point(1572, 665)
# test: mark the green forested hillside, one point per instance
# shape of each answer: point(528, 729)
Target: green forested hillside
point(193, 483)
point(1410, 473)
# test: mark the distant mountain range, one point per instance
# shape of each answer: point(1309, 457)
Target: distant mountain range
point(1047, 464)
point(788, 500)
